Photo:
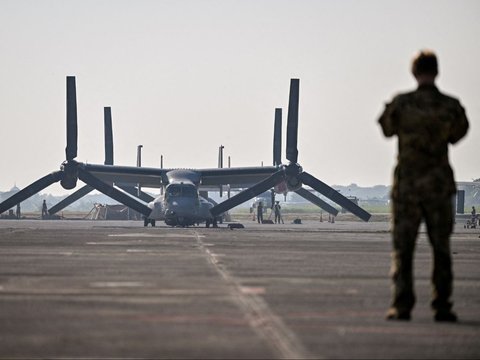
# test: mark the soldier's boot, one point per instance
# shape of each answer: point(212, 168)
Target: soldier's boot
point(445, 316)
point(441, 306)
point(396, 314)
point(403, 297)
point(442, 281)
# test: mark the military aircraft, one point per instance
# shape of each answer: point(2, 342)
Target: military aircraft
point(181, 203)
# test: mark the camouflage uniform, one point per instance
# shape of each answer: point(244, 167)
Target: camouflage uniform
point(425, 121)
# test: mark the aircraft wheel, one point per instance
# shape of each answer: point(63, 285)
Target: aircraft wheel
point(145, 222)
point(152, 222)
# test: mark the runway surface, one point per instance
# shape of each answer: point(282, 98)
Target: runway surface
point(94, 289)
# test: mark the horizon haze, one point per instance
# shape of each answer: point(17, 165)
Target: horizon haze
point(184, 77)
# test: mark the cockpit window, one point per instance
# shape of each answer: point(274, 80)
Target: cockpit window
point(175, 190)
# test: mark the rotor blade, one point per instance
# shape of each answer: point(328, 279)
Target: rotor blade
point(220, 166)
point(317, 201)
point(292, 121)
point(277, 138)
point(132, 190)
point(110, 191)
point(72, 132)
point(84, 190)
point(31, 190)
point(334, 195)
point(248, 194)
point(107, 117)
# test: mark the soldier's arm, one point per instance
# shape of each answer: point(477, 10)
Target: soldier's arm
point(460, 127)
point(388, 120)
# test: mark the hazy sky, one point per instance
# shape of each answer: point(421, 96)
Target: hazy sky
point(183, 77)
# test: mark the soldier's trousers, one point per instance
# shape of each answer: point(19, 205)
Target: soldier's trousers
point(408, 214)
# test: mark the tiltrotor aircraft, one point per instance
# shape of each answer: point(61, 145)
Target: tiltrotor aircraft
point(181, 203)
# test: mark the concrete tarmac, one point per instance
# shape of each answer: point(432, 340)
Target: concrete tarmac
point(107, 289)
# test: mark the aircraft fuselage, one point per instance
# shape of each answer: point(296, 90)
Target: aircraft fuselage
point(181, 205)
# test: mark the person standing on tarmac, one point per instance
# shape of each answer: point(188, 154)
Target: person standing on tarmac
point(278, 216)
point(260, 212)
point(425, 122)
point(44, 210)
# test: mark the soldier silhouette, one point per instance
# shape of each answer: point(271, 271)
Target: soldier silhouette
point(260, 212)
point(44, 209)
point(425, 122)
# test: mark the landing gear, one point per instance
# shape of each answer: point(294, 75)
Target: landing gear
point(212, 222)
point(147, 221)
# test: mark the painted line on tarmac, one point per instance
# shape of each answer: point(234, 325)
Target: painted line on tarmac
point(149, 235)
point(117, 284)
point(259, 315)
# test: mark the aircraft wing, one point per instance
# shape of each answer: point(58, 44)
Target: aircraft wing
point(155, 177)
point(235, 177)
point(129, 175)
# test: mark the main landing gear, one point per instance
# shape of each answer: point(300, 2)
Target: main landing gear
point(147, 221)
point(212, 222)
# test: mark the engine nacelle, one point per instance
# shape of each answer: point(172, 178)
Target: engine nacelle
point(293, 183)
point(291, 177)
point(70, 175)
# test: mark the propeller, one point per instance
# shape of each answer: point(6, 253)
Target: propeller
point(110, 191)
point(334, 195)
point(220, 166)
point(292, 176)
point(71, 170)
point(107, 112)
point(86, 189)
point(277, 138)
point(70, 199)
point(132, 190)
point(107, 121)
point(248, 194)
point(139, 164)
point(72, 131)
point(317, 201)
point(292, 121)
point(67, 174)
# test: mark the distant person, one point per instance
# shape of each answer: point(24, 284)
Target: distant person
point(253, 211)
point(260, 212)
point(425, 121)
point(474, 216)
point(18, 211)
point(44, 210)
point(278, 216)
